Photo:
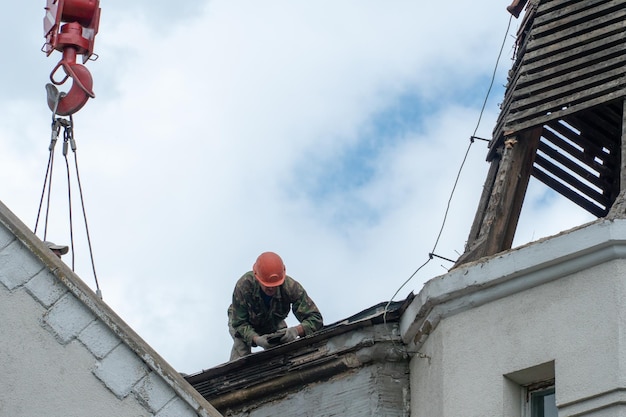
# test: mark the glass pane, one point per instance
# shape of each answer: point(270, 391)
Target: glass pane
point(549, 406)
point(543, 404)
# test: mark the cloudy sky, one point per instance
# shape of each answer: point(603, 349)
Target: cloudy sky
point(330, 132)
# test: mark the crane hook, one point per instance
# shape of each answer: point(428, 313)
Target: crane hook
point(78, 94)
point(75, 37)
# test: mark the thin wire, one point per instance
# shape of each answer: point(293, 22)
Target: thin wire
point(456, 181)
point(43, 190)
point(45, 229)
point(69, 196)
point(82, 202)
point(480, 116)
point(56, 127)
point(493, 75)
point(406, 282)
point(68, 139)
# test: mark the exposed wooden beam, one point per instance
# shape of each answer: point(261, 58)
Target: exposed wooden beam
point(499, 221)
point(484, 201)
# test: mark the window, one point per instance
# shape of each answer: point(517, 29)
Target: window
point(530, 392)
point(541, 400)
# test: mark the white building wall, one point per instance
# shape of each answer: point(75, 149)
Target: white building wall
point(479, 354)
point(41, 376)
point(63, 353)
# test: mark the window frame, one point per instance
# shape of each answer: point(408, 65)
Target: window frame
point(537, 390)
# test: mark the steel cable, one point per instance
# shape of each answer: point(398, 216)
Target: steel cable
point(456, 181)
point(68, 141)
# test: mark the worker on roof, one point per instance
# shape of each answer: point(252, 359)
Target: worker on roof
point(58, 250)
point(262, 299)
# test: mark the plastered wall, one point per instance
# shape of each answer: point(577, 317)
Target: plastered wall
point(576, 322)
point(59, 359)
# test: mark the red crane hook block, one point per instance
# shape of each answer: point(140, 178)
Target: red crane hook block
point(75, 37)
point(84, 12)
point(82, 82)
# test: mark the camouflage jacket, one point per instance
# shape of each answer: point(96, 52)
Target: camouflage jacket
point(249, 315)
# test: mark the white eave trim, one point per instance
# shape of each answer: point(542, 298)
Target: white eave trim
point(511, 272)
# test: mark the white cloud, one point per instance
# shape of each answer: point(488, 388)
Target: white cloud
point(210, 131)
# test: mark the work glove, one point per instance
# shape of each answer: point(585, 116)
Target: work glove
point(262, 341)
point(291, 334)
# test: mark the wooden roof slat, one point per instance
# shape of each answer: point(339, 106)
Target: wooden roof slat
point(564, 56)
point(569, 194)
point(571, 15)
point(570, 113)
point(541, 65)
point(519, 125)
point(604, 121)
point(546, 86)
point(585, 158)
point(572, 181)
point(576, 168)
point(551, 108)
point(571, 65)
point(552, 6)
point(567, 32)
point(542, 60)
point(609, 33)
point(602, 140)
point(589, 145)
point(609, 116)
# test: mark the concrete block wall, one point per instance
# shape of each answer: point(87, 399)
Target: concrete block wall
point(63, 336)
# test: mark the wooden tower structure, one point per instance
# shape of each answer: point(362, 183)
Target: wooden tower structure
point(562, 118)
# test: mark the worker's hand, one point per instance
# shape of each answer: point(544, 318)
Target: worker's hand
point(262, 341)
point(291, 334)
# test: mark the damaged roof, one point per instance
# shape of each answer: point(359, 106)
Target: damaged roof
point(308, 359)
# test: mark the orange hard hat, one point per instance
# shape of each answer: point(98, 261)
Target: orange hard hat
point(269, 269)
